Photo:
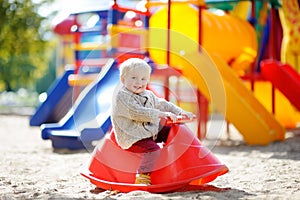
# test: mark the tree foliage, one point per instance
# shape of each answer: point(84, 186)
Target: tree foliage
point(23, 51)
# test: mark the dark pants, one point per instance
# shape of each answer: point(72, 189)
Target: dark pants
point(150, 149)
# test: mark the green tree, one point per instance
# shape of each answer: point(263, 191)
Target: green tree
point(23, 51)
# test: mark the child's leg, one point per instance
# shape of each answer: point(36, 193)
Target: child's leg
point(163, 134)
point(150, 151)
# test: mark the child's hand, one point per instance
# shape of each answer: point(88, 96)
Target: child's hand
point(188, 114)
point(170, 115)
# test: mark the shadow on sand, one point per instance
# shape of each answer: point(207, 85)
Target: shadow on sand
point(287, 149)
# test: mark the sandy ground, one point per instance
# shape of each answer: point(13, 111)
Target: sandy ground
point(31, 169)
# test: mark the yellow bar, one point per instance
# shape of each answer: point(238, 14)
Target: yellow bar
point(92, 46)
point(115, 29)
point(163, 3)
point(81, 80)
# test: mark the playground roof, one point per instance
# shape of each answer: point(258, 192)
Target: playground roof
point(96, 5)
point(273, 2)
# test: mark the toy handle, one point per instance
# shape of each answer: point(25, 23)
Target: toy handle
point(180, 120)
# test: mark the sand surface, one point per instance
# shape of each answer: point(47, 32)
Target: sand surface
point(32, 169)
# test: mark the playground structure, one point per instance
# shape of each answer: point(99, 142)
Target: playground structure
point(229, 51)
point(57, 104)
point(89, 118)
point(289, 15)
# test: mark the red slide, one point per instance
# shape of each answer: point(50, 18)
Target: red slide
point(284, 78)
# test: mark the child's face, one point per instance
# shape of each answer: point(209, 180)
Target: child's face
point(136, 80)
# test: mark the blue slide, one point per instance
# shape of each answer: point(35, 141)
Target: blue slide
point(57, 104)
point(89, 118)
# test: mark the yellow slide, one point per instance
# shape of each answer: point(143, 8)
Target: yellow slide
point(210, 73)
point(250, 117)
point(236, 102)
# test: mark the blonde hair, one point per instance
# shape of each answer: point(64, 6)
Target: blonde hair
point(132, 64)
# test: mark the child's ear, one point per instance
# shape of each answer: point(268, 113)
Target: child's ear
point(122, 79)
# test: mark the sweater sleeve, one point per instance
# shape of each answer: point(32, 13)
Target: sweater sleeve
point(130, 108)
point(166, 106)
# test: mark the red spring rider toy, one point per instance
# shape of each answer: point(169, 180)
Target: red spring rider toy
point(183, 161)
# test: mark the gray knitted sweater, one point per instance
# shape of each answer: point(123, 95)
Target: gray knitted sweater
point(136, 116)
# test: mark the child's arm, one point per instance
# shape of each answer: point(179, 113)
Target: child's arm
point(170, 115)
point(171, 110)
point(187, 114)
